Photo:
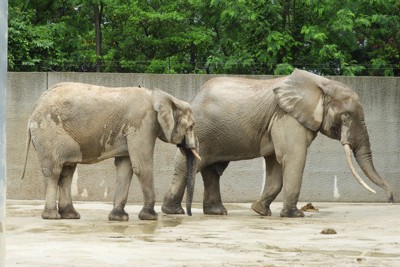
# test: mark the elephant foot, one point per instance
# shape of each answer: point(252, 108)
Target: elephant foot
point(148, 214)
point(50, 214)
point(261, 209)
point(169, 208)
point(214, 209)
point(118, 215)
point(68, 212)
point(291, 213)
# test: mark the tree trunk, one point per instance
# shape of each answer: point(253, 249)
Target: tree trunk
point(193, 56)
point(98, 10)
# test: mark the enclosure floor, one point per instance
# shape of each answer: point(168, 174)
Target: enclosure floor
point(367, 234)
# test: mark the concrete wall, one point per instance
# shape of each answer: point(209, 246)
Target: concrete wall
point(243, 180)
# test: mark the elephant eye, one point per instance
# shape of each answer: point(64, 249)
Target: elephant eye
point(345, 118)
point(190, 128)
point(346, 114)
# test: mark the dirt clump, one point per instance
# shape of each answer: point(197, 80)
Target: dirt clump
point(328, 231)
point(309, 208)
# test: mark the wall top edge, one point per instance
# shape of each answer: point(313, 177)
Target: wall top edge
point(192, 74)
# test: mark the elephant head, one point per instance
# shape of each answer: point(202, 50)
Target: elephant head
point(333, 109)
point(176, 120)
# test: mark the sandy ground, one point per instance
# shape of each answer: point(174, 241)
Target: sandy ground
point(367, 235)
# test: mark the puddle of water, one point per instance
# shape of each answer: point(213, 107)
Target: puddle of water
point(351, 253)
point(381, 255)
point(114, 231)
point(142, 230)
point(280, 250)
point(317, 250)
point(171, 221)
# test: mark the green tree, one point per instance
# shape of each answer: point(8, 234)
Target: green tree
point(29, 45)
point(339, 37)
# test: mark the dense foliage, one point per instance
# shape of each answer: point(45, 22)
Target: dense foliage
point(342, 37)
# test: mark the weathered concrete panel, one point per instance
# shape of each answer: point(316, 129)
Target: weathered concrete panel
point(242, 180)
point(24, 89)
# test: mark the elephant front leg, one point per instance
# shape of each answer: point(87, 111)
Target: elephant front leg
point(174, 195)
point(124, 178)
point(272, 186)
point(291, 141)
point(144, 172)
point(141, 150)
point(147, 184)
point(293, 168)
point(65, 206)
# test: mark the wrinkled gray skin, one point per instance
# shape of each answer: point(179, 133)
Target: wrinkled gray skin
point(239, 119)
point(80, 123)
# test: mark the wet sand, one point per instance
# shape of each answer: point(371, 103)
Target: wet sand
point(366, 235)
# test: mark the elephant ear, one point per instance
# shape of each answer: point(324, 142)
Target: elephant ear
point(165, 107)
point(301, 95)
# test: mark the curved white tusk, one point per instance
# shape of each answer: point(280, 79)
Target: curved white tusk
point(347, 150)
point(196, 154)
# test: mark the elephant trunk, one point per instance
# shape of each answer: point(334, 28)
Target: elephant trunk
point(188, 148)
point(363, 156)
point(347, 151)
point(190, 158)
point(356, 136)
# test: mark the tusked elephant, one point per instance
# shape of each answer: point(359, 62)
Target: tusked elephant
point(239, 118)
point(81, 123)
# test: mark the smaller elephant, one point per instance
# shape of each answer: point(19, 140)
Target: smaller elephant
point(81, 123)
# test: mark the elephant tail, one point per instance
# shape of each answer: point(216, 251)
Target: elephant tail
point(28, 143)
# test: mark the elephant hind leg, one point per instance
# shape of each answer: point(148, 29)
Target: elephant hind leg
point(212, 203)
point(272, 187)
point(51, 173)
point(65, 206)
